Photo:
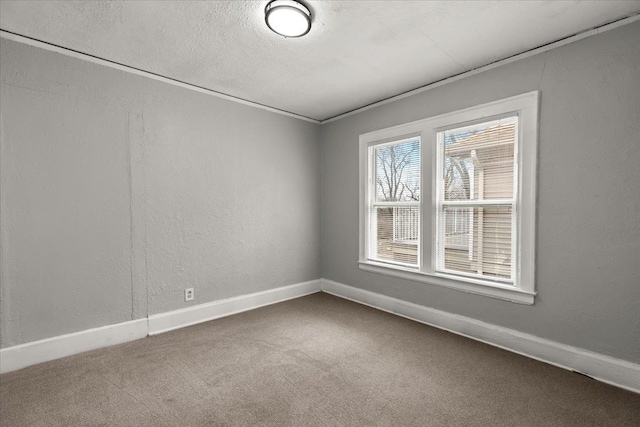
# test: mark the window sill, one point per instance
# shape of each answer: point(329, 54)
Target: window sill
point(492, 290)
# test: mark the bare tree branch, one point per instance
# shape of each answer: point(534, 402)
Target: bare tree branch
point(391, 177)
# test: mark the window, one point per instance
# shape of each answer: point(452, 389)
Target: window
point(450, 200)
point(395, 205)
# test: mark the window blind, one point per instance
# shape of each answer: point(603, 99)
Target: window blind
point(394, 225)
point(476, 193)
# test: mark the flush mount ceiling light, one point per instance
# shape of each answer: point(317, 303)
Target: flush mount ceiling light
point(288, 18)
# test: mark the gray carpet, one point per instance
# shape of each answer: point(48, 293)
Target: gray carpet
point(317, 360)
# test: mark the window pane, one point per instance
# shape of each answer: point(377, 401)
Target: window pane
point(395, 234)
point(476, 241)
point(458, 225)
point(397, 172)
point(479, 161)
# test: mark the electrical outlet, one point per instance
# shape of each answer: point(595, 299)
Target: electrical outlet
point(188, 294)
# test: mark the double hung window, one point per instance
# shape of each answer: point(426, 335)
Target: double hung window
point(394, 234)
point(450, 200)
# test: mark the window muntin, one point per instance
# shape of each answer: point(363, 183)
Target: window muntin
point(394, 226)
point(500, 214)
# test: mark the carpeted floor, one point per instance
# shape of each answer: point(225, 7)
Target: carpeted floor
point(316, 360)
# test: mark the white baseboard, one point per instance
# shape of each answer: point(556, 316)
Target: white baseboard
point(614, 371)
point(607, 369)
point(23, 355)
point(164, 322)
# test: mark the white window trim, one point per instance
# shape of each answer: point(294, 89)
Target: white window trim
point(526, 106)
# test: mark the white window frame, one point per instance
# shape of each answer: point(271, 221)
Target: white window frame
point(525, 106)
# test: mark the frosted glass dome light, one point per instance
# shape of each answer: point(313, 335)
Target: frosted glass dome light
point(288, 18)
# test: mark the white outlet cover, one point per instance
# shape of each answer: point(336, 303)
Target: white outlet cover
point(188, 294)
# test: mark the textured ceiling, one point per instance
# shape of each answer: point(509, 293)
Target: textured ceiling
point(357, 53)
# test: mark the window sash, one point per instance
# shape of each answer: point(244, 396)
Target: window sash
point(401, 249)
point(373, 241)
point(478, 141)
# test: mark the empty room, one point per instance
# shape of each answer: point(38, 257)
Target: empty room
point(320, 213)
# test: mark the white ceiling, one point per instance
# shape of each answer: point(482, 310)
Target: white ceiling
point(357, 53)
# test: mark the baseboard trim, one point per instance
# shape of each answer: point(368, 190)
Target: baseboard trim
point(32, 353)
point(23, 355)
point(603, 368)
point(165, 322)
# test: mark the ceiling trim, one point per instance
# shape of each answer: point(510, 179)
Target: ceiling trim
point(540, 49)
point(9, 35)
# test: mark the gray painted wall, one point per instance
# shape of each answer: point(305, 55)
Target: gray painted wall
point(119, 191)
point(588, 217)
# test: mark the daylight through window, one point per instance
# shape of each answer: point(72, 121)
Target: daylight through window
point(450, 200)
point(476, 200)
point(395, 208)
